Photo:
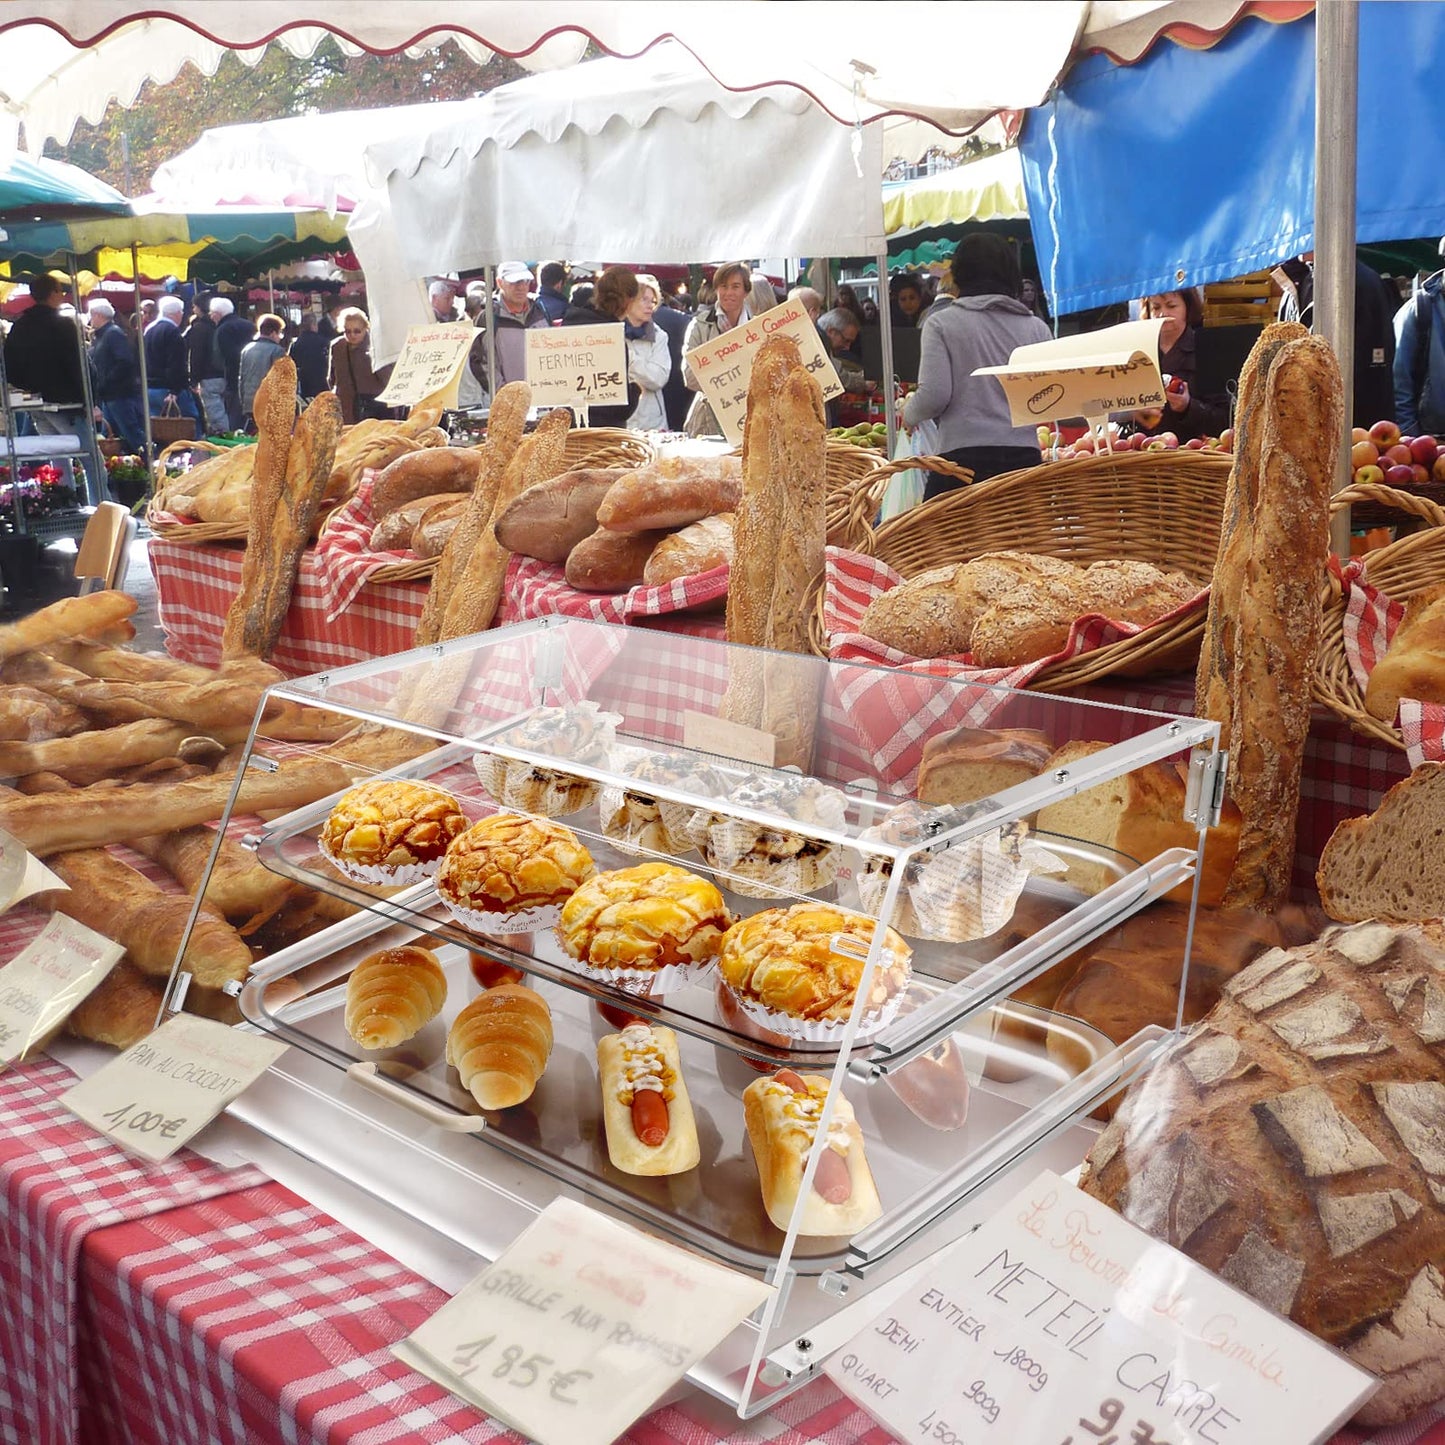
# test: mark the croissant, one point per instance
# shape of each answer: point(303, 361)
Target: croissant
point(499, 1045)
point(392, 995)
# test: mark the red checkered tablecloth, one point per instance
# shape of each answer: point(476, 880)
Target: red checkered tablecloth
point(183, 1302)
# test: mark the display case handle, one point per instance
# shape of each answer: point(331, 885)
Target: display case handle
point(939, 1199)
point(367, 1075)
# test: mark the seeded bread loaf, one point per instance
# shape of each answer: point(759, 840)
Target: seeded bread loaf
point(1294, 1143)
point(1414, 662)
point(923, 616)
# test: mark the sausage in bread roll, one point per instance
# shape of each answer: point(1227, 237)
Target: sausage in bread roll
point(645, 1108)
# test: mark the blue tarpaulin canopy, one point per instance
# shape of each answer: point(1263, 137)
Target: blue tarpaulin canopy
point(1198, 165)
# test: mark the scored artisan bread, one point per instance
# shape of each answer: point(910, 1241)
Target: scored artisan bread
point(434, 528)
point(1262, 632)
point(1138, 814)
point(394, 532)
point(971, 763)
point(610, 561)
point(1385, 865)
point(1294, 1144)
point(924, 616)
point(424, 474)
point(549, 518)
point(671, 492)
point(698, 547)
point(1414, 663)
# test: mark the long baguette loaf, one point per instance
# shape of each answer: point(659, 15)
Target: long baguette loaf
point(29, 715)
point(125, 746)
point(120, 664)
point(282, 511)
point(94, 820)
point(505, 425)
point(121, 1010)
point(241, 889)
point(478, 590)
point(1257, 666)
point(71, 617)
point(115, 899)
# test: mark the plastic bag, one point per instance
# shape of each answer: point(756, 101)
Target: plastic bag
point(905, 488)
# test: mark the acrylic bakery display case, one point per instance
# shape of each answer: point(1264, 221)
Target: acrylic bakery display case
point(842, 969)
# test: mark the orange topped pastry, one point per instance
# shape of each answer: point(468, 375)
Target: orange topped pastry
point(782, 967)
point(511, 874)
point(643, 920)
point(391, 830)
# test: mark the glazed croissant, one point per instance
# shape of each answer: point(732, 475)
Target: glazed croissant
point(499, 1045)
point(393, 995)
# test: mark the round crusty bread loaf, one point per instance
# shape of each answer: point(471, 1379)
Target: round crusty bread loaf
point(1294, 1143)
point(923, 616)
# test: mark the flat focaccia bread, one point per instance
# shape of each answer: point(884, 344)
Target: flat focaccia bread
point(782, 1117)
point(645, 1108)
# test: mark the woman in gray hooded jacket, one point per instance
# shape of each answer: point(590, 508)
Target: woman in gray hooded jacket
point(980, 327)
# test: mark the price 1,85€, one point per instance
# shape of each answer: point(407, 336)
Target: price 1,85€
point(508, 1364)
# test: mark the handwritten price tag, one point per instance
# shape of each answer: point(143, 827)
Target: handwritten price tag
point(164, 1090)
point(429, 362)
point(48, 978)
point(724, 365)
point(577, 365)
point(1116, 369)
point(1059, 1322)
point(724, 739)
point(21, 873)
point(579, 1327)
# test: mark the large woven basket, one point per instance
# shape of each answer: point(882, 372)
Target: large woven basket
point(1399, 570)
point(1159, 507)
point(606, 446)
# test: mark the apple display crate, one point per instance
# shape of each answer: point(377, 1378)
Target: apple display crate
point(823, 756)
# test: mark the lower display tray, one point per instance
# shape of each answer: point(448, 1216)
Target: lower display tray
point(1020, 1061)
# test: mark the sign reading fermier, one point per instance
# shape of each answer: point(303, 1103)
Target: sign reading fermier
point(429, 362)
point(164, 1090)
point(580, 1326)
point(1060, 1323)
point(577, 366)
point(724, 365)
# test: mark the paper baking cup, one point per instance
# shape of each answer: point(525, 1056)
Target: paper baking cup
point(379, 872)
point(822, 1031)
point(524, 920)
point(636, 827)
point(760, 878)
point(653, 981)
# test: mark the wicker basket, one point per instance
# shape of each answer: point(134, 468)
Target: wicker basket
point(853, 507)
point(1159, 507)
point(606, 446)
point(1399, 570)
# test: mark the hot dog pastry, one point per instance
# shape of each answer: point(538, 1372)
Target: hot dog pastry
point(782, 1116)
point(645, 1108)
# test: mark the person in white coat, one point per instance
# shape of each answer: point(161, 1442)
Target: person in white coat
point(649, 356)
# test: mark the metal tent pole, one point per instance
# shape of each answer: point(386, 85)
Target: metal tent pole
point(1337, 51)
point(95, 473)
point(140, 346)
point(489, 280)
point(885, 337)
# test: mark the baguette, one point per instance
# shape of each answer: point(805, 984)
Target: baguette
point(29, 715)
point(781, 1115)
point(699, 547)
point(478, 590)
point(115, 899)
point(611, 561)
point(69, 618)
point(241, 889)
point(120, 1010)
point(671, 492)
point(125, 746)
point(424, 474)
point(1414, 663)
point(94, 820)
point(122, 665)
point(646, 1112)
point(505, 425)
point(549, 518)
point(283, 507)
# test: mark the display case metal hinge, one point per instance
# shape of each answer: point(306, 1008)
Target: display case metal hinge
point(1204, 795)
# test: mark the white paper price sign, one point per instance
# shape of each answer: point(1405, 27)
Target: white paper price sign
point(164, 1090)
point(21, 873)
point(708, 734)
point(579, 1327)
point(48, 978)
point(1091, 375)
point(1058, 1323)
point(429, 362)
point(577, 365)
point(724, 365)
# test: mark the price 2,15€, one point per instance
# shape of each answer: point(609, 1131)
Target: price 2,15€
point(129, 1120)
point(598, 381)
point(521, 1373)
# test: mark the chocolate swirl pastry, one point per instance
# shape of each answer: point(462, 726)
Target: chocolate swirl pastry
point(577, 733)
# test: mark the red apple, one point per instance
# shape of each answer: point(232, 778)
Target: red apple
point(1084, 446)
point(1424, 450)
point(1156, 444)
point(1226, 439)
point(1195, 444)
point(1371, 474)
point(1170, 439)
point(1437, 472)
point(1384, 434)
point(1359, 434)
point(1363, 454)
point(1420, 474)
point(1399, 456)
point(1400, 476)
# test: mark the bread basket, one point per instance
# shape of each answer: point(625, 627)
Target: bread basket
point(1399, 570)
point(606, 446)
point(1159, 507)
point(160, 520)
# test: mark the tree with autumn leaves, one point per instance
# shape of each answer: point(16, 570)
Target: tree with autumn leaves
point(129, 144)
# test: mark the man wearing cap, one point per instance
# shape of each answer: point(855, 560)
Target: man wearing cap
point(516, 312)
